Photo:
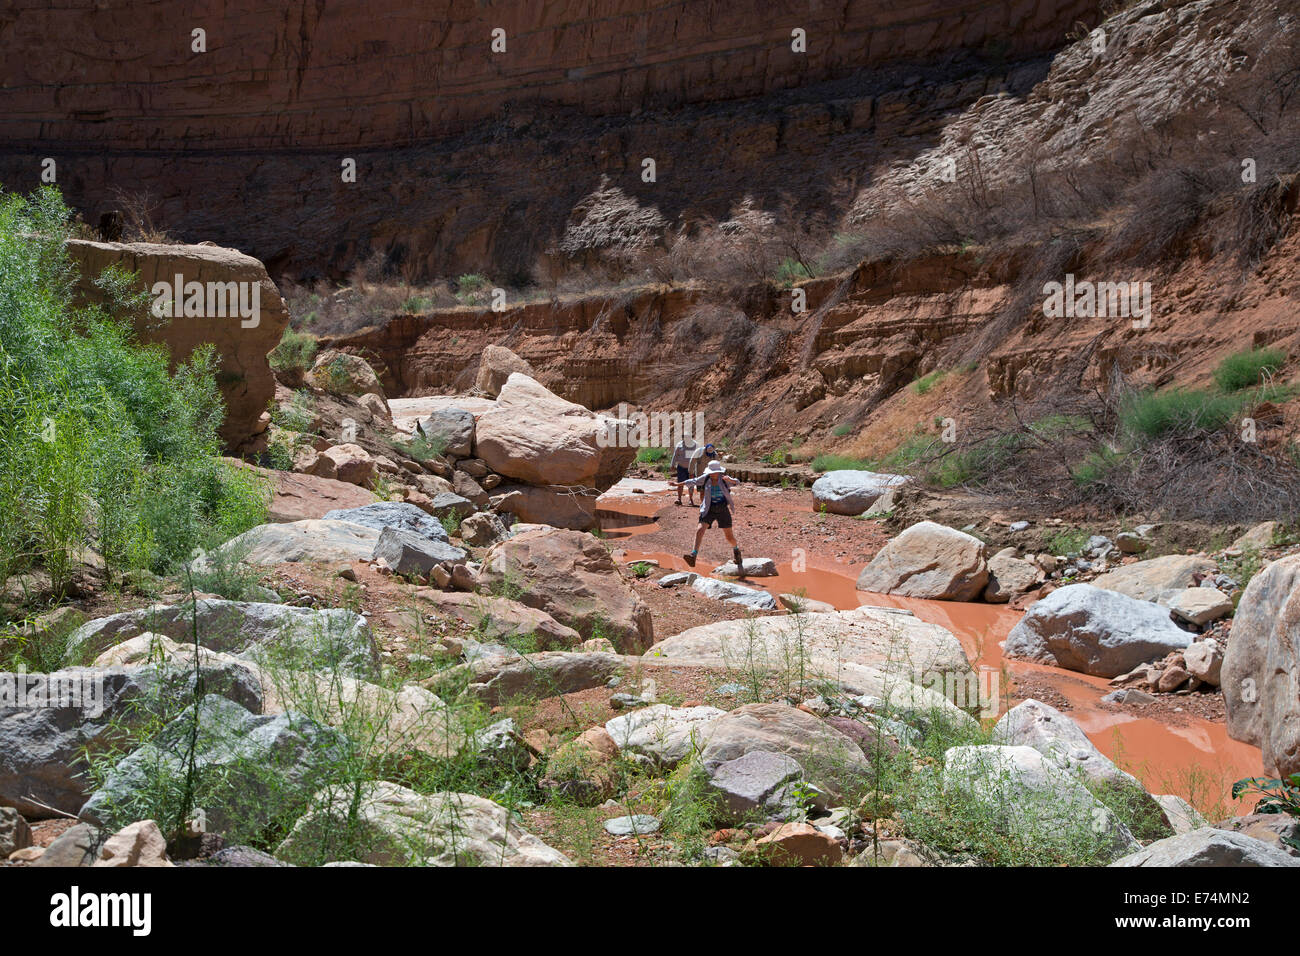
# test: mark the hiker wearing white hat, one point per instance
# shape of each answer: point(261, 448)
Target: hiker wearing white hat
point(715, 505)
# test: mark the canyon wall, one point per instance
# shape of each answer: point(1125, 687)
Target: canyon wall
point(315, 74)
point(470, 161)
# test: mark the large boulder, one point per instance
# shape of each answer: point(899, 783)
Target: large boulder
point(1198, 606)
point(499, 619)
point(1095, 631)
point(451, 430)
point(1032, 723)
point(753, 782)
point(244, 375)
point(413, 555)
point(344, 374)
point(733, 593)
point(1155, 579)
point(895, 657)
point(502, 679)
point(246, 767)
point(349, 463)
point(1208, 846)
point(849, 492)
point(495, 366)
point(929, 560)
point(297, 497)
point(1281, 830)
point(393, 826)
point(538, 438)
point(831, 761)
point(483, 529)
point(1261, 668)
point(327, 637)
point(667, 735)
point(1009, 577)
point(572, 577)
point(571, 509)
point(43, 748)
point(316, 540)
point(448, 504)
point(401, 721)
point(1035, 795)
point(392, 514)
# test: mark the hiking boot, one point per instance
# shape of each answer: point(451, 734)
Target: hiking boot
point(690, 559)
point(740, 562)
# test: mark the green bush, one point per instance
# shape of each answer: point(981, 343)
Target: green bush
point(297, 350)
point(1248, 369)
point(104, 446)
point(650, 456)
point(839, 431)
point(978, 463)
point(1148, 415)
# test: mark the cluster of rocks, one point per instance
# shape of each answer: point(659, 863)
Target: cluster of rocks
point(257, 664)
point(544, 459)
point(929, 560)
point(521, 452)
point(775, 775)
point(1198, 665)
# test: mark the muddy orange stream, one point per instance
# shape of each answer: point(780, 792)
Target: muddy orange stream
point(1197, 760)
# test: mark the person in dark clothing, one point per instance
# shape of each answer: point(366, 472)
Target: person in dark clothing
point(715, 506)
point(685, 451)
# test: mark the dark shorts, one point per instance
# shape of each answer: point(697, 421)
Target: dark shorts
point(682, 473)
point(719, 513)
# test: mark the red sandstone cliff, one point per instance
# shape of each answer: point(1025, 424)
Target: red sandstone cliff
point(469, 161)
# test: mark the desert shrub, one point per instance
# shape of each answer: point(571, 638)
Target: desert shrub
point(1248, 369)
point(977, 463)
point(296, 415)
point(1147, 415)
point(472, 289)
point(104, 445)
point(296, 350)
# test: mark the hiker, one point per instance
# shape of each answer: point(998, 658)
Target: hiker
point(684, 454)
point(715, 505)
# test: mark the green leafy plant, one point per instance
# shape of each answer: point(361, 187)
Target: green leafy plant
point(640, 568)
point(1277, 795)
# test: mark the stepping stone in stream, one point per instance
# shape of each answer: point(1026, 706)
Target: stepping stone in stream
point(754, 568)
point(640, 824)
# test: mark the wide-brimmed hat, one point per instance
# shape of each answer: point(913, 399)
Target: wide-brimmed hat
point(714, 468)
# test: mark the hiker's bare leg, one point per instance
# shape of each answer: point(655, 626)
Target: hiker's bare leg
point(699, 536)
